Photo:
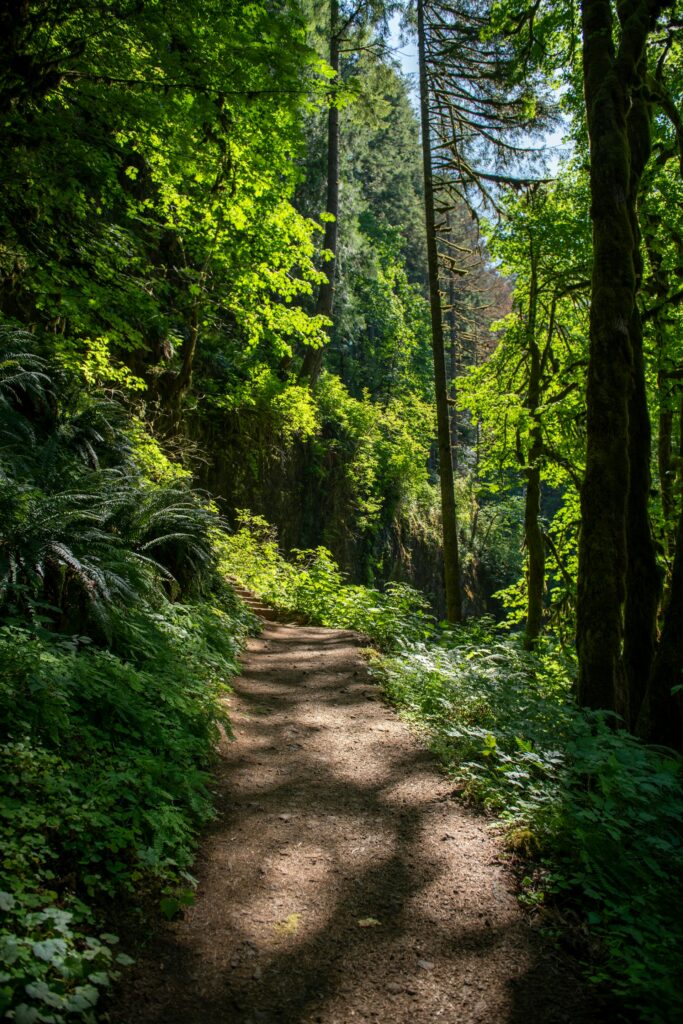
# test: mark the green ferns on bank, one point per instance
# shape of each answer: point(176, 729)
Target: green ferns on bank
point(597, 811)
point(116, 643)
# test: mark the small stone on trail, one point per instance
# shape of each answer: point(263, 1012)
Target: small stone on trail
point(285, 817)
point(425, 965)
point(394, 988)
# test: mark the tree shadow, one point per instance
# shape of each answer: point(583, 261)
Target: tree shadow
point(372, 944)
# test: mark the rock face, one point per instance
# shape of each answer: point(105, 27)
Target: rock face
point(341, 881)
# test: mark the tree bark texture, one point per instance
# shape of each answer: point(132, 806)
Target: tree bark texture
point(448, 510)
point(661, 714)
point(454, 370)
point(643, 579)
point(665, 461)
point(533, 534)
point(313, 359)
point(609, 522)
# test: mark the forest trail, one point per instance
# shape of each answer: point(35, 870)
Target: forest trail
point(342, 881)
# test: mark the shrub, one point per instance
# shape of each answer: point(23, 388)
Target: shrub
point(313, 585)
point(599, 812)
point(110, 695)
point(602, 811)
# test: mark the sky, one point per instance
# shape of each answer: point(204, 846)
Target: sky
point(406, 54)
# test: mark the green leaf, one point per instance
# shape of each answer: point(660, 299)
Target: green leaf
point(51, 950)
point(7, 901)
point(41, 991)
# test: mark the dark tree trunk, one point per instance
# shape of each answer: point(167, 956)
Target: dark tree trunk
point(448, 511)
point(454, 368)
point(533, 534)
point(658, 288)
point(643, 580)
point(661, 714)
point(312, 365)
point(610, 82)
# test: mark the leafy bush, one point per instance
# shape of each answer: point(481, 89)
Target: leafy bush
point(105, 767)
point(110, 693)
point(313, 586)
point(603, 812)
point(57, 968)
point(599, 811)
point(84, 530)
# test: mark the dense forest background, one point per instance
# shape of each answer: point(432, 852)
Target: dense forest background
point(241, 300)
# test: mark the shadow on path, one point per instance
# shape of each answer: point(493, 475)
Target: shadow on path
point(340, 881)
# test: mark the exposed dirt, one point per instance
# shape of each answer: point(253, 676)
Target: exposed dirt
point(342, 880)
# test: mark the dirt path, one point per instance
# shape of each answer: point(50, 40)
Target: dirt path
point(342, 882)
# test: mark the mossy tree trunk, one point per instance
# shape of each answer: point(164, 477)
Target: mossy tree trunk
point(613, 492)
point(533, 534)
point(643, 579)
point(661, 715)
point(447, 482)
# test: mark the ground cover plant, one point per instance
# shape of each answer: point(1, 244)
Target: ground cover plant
point(595, 813)
point(456, 364)
point(116, 642)
point(313, 585)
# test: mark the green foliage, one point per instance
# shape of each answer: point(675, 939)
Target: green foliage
point(110, 696)
point(84, 531)
point(313, 586)
point(51, 964)
point(105, 766)
point(528, 396)
point(146, 184)
point(384, 448)
point(602, 810)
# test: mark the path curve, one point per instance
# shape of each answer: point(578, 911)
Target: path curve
point(342, 881)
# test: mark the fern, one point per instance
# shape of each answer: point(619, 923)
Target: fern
point(83, 531)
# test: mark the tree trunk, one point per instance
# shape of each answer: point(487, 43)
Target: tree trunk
point(453, 367)
point(448, 511)
point(643, 579)
point(658, 289)
point(312, 365)
point(609, 80)
point(533, 534)
point(661, 714)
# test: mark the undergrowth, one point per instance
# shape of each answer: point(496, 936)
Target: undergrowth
point(117, 640)
point(598, 813)
point(312, 585)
